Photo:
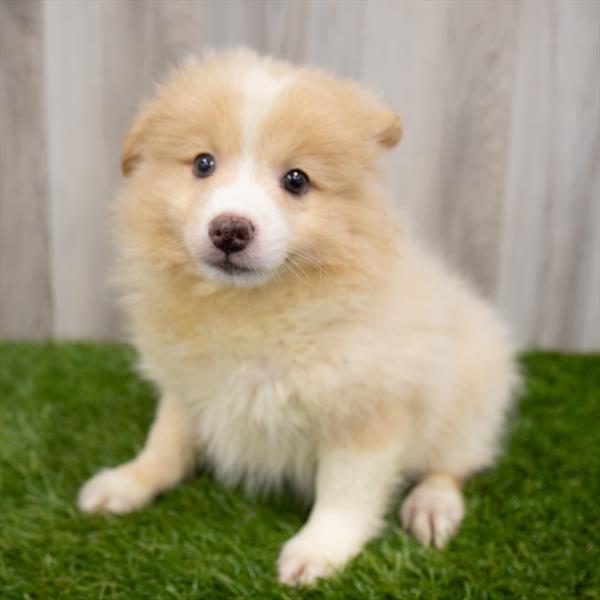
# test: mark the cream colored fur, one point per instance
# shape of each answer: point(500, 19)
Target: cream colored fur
point(349, 360)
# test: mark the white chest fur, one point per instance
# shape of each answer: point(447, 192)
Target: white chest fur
point(253, 427)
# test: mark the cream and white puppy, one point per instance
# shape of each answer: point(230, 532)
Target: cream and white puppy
point(297, 331)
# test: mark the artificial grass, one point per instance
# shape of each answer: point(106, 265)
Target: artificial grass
point(531, 529)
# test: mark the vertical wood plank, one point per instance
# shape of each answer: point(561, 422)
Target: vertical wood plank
point(83, 159)
point(530, 169)
point(322, 34)
point(102, 59)
point(572, 266)
point(549, 275)
point(448, 66)
point(403, 60)
point(477, 90)
point(328, 35)
point(25, 300)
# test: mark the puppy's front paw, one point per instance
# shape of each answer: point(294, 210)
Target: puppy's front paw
point(114, 490)
point(309, 556)
point(432, 512)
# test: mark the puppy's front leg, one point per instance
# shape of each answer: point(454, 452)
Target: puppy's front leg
point(352, 492)
point(167, 457)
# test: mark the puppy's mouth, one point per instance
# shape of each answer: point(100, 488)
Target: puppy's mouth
point(226, 271)
point(226, 266)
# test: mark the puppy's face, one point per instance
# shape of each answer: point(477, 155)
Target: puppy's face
point(244, 168)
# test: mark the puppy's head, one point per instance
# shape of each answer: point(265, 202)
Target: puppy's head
point(244, 168)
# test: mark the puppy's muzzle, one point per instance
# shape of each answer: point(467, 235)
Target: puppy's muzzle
point(230, 233)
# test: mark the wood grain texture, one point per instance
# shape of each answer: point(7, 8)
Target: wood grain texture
point(25, 299)
point(499, 165)
point(549, 273)
point(571, 273)
point(322, 34)
point(474, 149)
point(122, 48)
point(454, 95)
point(81, 49)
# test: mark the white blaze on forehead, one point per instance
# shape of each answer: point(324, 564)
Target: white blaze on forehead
point(247, 195)
point(260, 89)
point(244, 196)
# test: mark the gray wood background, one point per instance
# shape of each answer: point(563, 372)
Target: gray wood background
point(499, 165)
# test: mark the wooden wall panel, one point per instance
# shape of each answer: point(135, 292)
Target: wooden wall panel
point(572, 266)
point(454, 96)
point(499, 164)
point(25, 298)
point(550, 265)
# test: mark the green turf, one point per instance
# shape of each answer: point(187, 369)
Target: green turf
point(531, 531)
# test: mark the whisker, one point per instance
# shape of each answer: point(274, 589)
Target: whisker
point(311, 260)
point(292, 267)
point(168, 248)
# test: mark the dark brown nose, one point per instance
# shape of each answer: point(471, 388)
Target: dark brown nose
point(230, 233)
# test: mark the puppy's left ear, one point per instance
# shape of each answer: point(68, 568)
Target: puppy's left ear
point(131, 153)
point(388, 130)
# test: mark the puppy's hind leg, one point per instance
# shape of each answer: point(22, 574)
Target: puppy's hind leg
point(167, 457)
point(433, 509)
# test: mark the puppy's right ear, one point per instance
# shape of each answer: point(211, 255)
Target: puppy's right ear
point(390, 129)
point(131, 153)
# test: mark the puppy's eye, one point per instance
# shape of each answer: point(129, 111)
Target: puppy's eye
point(204, 165)
point(296, 182)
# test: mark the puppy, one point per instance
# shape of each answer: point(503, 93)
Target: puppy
point(297, 331)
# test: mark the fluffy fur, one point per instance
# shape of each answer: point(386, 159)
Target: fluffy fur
point(342, 359)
